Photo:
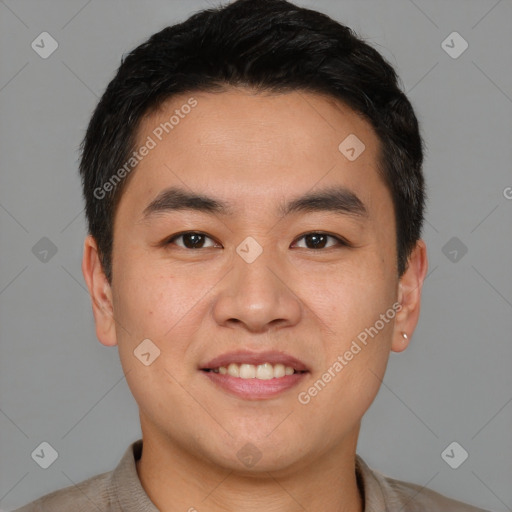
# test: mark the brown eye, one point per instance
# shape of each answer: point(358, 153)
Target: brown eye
point(319, 240)
point(191, 240)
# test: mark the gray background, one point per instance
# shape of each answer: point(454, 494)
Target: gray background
point(59, 384)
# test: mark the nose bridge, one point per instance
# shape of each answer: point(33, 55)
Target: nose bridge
point(255, 266)
point(253, 279)
point(255, 292)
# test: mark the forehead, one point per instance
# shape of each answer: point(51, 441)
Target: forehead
point(239, 144)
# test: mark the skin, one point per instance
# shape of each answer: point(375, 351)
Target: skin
point(194, 304)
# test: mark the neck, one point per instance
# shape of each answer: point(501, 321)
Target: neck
point(175, 479)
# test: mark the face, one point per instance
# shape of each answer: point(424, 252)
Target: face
point(255, 271)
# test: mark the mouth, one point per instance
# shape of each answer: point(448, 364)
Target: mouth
point(265, 371)
point(255, 376)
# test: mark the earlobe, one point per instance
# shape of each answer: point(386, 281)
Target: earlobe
point(401, 343)
point(100, 292)
point(409, 296)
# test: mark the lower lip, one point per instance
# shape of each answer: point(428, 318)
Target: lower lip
point(254, 389)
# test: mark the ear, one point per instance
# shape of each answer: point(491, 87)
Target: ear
point(101, 293)
point(409, 296)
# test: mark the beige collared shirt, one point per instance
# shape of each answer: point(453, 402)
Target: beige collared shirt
point(120, 490)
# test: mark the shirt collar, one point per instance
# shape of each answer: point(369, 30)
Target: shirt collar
point(127, 486)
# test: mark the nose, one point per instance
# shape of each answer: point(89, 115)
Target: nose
point(258, 296)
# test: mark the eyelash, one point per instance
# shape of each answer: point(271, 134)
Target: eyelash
point(341, 241)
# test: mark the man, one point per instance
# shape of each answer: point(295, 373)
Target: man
point(254, 193)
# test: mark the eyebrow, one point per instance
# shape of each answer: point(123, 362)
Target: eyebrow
point(336, 199)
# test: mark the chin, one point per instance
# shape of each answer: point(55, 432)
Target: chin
point(255, 458)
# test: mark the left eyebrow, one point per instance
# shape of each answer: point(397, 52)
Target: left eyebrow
point(336, 199)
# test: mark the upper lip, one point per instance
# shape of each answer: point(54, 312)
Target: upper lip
point(255, 358)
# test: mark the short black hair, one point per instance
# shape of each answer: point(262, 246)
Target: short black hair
point(269, 46)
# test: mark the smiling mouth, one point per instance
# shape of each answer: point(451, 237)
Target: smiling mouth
point(265, 371)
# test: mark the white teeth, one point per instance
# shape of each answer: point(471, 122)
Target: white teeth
point(265, 371)
point(247, 371)
point(233, 370)
point(279, 371)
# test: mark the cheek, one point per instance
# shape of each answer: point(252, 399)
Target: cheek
point(154, 306)
point(149, 300)
point(166, 308)
point(354, 363)
point(351, 297)
point(351, 306)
